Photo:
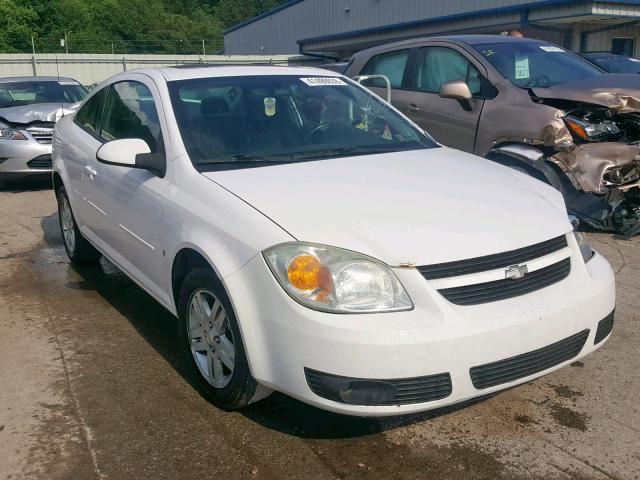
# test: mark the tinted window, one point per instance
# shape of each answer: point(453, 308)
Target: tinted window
point(88, 117)
point(130, 112)
point(15, 94)
point(532, 64)
point(392, 65)
point(439, 65)
point(239, 122)
point(623, 46)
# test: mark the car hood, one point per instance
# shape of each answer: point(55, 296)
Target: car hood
point(37, 112)
point(416, 207)
point(619, 92)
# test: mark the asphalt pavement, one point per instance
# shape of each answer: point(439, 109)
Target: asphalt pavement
point(92, 386)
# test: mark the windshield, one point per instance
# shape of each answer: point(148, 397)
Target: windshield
point(237, 122)
point(16, 94)
point(532, 64)
point(618, 64)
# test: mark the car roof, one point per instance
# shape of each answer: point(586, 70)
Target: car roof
point(185, 72)
point(458, 39)
point(36, 79)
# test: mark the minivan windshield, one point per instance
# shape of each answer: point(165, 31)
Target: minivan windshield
point(533, 64)
point(16, 94)
point(245, 121)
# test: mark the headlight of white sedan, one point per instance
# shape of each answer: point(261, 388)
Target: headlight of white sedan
point(11, 134)
point(583, 244)
point(585, 249)
point(335, 280)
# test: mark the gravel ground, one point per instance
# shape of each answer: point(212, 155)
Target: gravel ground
point(92, 386)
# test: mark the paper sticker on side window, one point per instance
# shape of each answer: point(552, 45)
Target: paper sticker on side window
point(551, 48)
point(67, 82)
point(322, 81)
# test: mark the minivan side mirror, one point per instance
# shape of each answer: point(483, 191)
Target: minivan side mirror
point(457, 90)
point(132, 153)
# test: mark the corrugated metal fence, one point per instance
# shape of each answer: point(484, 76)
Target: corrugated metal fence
point(93, 68)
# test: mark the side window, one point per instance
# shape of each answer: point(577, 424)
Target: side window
point(392, 65)
point(130, 112)
point(88, 117)
point(438, 65)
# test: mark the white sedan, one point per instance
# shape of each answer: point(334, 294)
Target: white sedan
point(312, 240)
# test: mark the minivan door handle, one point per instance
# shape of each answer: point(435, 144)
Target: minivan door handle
point(412, 107)
point(90, 170)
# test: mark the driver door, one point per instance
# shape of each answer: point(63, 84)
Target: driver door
point(131, 199)
point(445, 119)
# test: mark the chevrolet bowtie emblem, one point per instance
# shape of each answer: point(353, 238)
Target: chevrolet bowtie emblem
point(516, 272)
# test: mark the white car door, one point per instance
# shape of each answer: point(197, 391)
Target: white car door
point(79, 146)
point(131, 199)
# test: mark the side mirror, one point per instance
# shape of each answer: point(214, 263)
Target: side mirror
point(132, 153)
point(457, 90)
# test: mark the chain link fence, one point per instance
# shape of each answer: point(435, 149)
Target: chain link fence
point(94, 68)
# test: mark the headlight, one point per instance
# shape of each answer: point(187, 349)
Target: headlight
point(335, 280)
point(592, 132)
point(11, 134)
point(585, 249)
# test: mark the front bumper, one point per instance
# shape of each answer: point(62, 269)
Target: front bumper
point(24, 158)
point(282, 338)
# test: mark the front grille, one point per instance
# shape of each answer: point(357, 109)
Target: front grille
point(43, 161)
point(407, 390)
point(492, 262)
point(41, 134)
point(604, 328)
point(507, 288)
point(520, 366)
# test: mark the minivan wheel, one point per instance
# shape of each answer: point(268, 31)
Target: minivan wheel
point(78, 248)
point(210, 336)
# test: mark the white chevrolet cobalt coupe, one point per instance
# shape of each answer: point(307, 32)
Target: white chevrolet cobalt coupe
point(312, 240)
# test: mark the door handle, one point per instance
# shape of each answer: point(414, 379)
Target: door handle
point(90, 170)
point(412, 107)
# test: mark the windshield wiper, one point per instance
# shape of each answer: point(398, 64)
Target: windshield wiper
point(344, 151)
point(244, 159)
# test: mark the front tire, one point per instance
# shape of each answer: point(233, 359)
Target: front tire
point(212, 343)
point(78, 248)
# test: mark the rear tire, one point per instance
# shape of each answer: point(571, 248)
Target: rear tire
point(78, 248)
point(210, 336)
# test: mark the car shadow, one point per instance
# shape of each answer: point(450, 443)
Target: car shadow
point(158, 327)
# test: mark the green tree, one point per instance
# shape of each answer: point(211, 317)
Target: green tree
point(127, 26)
point(16, 23)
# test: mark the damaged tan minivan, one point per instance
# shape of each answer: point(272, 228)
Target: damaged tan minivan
point(526, 104)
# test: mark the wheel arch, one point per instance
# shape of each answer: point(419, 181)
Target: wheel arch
point(186, 259)
point(57, 181)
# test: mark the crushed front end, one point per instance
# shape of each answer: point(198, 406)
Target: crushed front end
point(603, 161)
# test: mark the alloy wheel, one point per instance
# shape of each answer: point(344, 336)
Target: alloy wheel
point(67, 224)
point(211, 338)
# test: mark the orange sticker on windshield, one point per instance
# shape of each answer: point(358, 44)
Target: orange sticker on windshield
point(269, 106)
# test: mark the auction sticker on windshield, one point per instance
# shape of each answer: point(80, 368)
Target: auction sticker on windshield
point(322, 81)
point(551, 48)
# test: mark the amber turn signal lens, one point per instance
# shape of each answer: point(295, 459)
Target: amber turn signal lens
point(578, 129)
point(303, 272)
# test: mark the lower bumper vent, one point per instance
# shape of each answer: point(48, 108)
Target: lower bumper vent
point(604, 328)
point(360, 391)
point(520, 366)
point(43, 161)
